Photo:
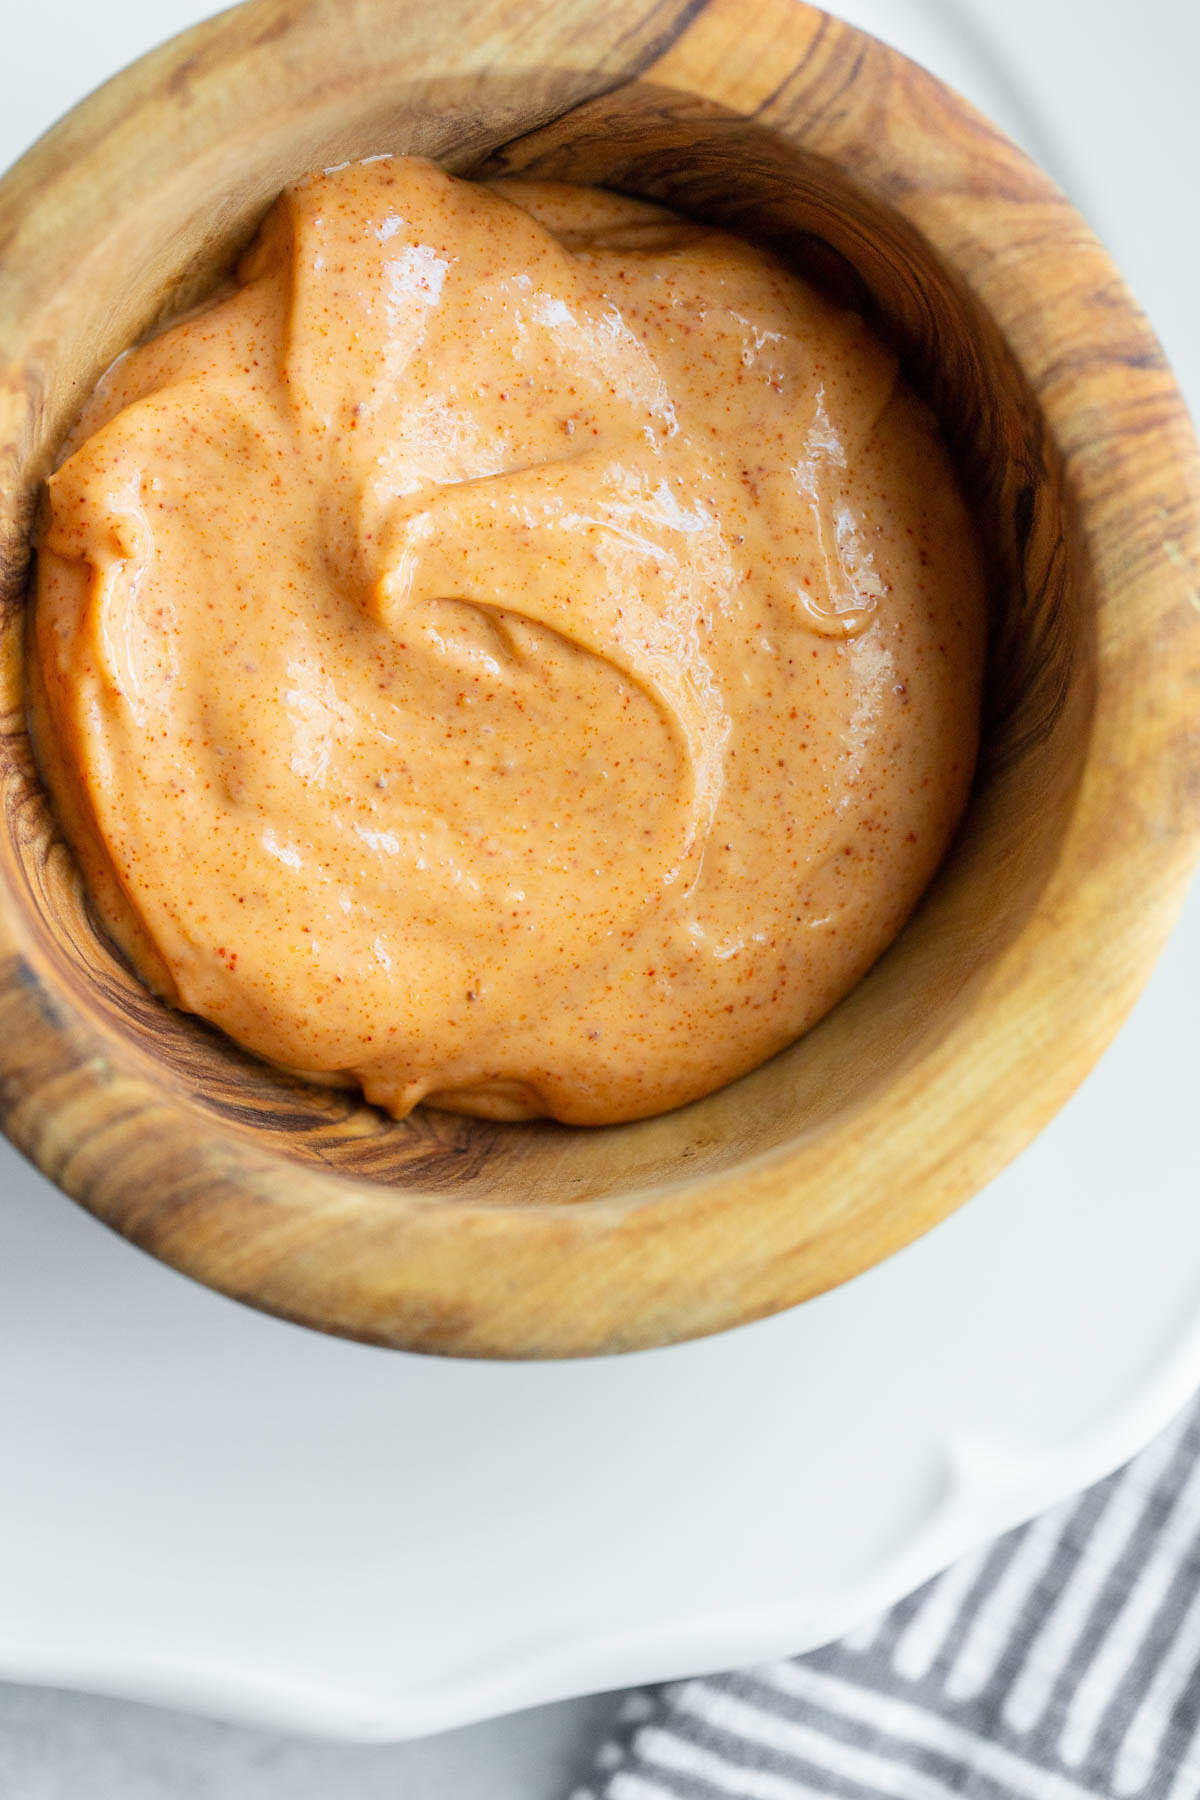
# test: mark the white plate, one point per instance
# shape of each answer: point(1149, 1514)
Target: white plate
point(203, 1506)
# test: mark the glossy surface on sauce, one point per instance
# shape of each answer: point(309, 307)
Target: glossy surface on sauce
point(521, 655)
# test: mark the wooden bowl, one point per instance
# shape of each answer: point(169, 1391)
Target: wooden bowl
point(461, 1237)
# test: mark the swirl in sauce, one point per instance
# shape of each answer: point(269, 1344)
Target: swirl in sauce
point(513, 649)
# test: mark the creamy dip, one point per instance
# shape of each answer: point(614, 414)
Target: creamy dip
point(514, 649)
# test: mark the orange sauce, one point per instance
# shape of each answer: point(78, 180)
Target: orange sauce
point(514, 649)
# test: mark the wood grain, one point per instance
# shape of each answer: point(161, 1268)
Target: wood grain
point(460, 1237)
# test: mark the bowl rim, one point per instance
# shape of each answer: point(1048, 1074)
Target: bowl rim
point(72, 1108)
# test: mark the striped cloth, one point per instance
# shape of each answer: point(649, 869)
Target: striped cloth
point(1060, 1663)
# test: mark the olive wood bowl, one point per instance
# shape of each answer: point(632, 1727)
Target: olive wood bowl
point(462, 1237)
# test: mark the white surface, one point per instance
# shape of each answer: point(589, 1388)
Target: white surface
point(83, 1747)
point(206, 1507)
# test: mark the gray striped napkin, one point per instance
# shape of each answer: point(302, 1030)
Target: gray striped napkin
point(1060, 1663)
